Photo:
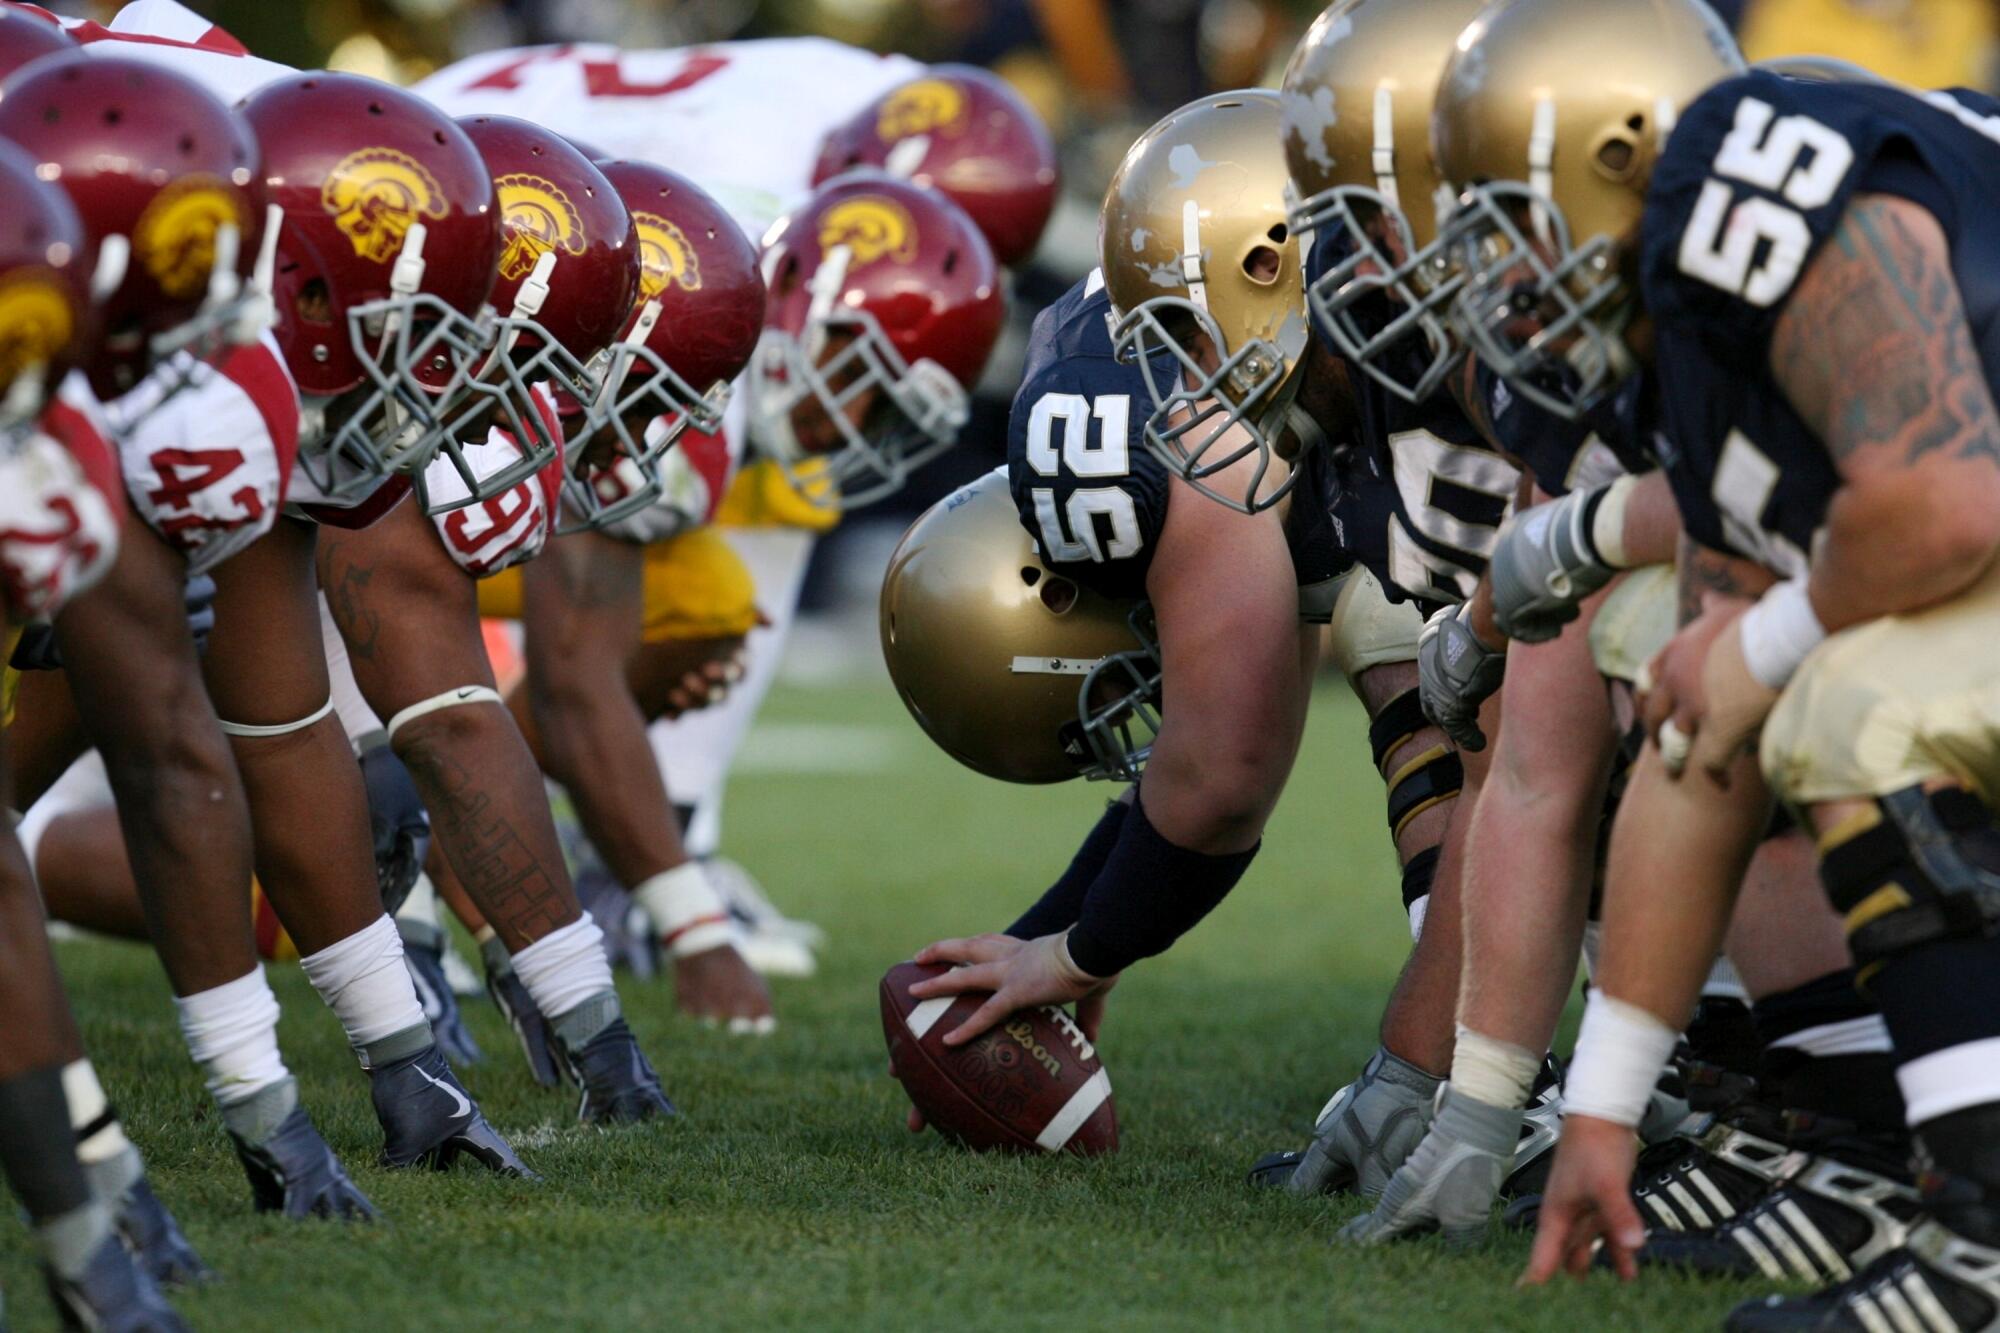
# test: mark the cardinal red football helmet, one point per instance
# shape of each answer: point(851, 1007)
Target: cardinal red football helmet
point(966, 133)
point(569, 268)
point(699, 313)
point(390, 245)
point(44, 298)
point(884, 303)
point(29, 35)
point(166, 179)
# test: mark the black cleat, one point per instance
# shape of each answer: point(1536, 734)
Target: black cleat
point(423, 954)
point(293, 1172)
point(114, 1294)
point(538, 1043)
point(1832, 1217)
point(428, 1118)
point(1938, 1281)
point(1274, 1169)
point(155, 1240)
point(619, 1085)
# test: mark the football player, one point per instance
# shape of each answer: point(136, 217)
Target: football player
point(402, 595)
point(1792, 260)
point(105, 1238)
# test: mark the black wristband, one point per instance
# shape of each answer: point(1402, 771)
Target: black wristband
point(1587, 529)
point(1149, 894)
point(1059, 908)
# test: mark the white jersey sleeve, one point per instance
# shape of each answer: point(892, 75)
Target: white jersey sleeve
point(165, 32)
point(487, 536)
point(744, 120)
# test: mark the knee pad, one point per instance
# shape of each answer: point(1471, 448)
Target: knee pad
point(1916, 869)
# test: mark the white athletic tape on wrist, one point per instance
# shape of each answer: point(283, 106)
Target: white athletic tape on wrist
point(1675, 746)
point(1780, 632)
point(687, 910)
point(278, 728)
point(464, 694)
point(1620, 1051)
point(1607, 528)
point(1496, 1072)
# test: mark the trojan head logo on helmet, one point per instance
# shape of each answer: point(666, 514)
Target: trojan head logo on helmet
point(386, 257)
point(376, 195)
point(166, 180)
point(1357, 114)
point(536, 218)
point(869, 227)
point(691, 330)
point(1548, 120)
point(1014, 669)
point(43, 301)
point(37, 322)
point(884, 305)
point(965, 133)
point(1205, 280)
point(665, 256)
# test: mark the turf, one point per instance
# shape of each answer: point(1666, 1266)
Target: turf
point(788, 1194)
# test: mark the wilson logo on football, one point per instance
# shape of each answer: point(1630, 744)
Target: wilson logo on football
point(871, 228)
point(35, 323)
point(923, 107)
point(376, 195)
point(175, 236)
point(537, 218)
point(665, 257)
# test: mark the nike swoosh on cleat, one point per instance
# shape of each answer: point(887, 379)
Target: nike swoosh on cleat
point(464, 1106)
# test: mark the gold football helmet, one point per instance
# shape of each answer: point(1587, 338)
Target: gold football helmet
point(1549, 119)
point(1357, 134)
point(1013, 668)
point(1208, 289)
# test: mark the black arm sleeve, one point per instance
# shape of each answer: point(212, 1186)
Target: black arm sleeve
point(1059, 908)
point(1149, 894)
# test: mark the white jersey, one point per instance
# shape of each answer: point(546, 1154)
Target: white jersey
point(166, 32)
point(743, 120)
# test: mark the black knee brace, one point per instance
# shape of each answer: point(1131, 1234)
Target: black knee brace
point(1917, 869)
point(1431, 777)
point(1418, 872)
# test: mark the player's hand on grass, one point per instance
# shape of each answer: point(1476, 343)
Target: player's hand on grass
point(1673, 700)
point(1588, 1197)
point(717, 986)
point(1020, 974)
point(1451, 1180)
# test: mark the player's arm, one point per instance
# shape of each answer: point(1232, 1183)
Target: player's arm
point(1874, 352)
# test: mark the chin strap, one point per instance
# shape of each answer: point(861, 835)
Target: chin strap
point(114, 257)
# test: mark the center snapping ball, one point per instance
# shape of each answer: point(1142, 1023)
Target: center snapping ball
point(1032, 1083)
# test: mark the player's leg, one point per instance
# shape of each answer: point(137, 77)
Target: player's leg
point(582, 617)
point(411, 621)
point(62, 1149)
point(1889, 736)
point(132, 668)
point(267, 673)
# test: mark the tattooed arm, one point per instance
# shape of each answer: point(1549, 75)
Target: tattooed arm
point(1874, 352)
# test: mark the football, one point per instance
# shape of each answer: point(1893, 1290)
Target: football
point(1031, 1084)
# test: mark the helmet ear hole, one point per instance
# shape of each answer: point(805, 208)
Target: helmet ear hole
point(1616, 156)
point(1059, 595)
point(1263, 264)
point(1030, 575)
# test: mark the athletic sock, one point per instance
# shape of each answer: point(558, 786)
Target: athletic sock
point(39, 1159)
point(1827, 1050)
point(1942, 1005)
point(364, 980)
point(568, 976)
point(110, 1162)
point(232, 1033)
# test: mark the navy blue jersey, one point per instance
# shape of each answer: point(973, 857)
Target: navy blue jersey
point(1423, 495)
point(1755, 178)
point(1564, 456)
point(1088, 490)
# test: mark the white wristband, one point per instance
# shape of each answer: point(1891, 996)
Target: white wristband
point(687, 910)
point(1620, 1052)
point(1607, 526)
point(1780, 632)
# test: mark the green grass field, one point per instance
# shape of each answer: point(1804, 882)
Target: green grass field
point(788, 1194)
